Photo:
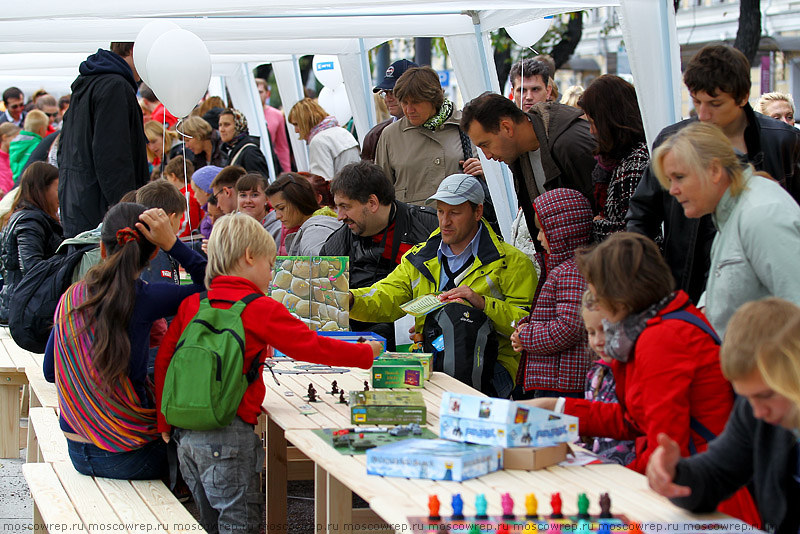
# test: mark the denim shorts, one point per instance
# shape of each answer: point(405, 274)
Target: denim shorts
point(145, 463)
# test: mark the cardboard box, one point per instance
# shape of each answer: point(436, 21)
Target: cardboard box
point(502, 422)
point(434, 459)
point(533, 458)
point(397, 373)
point(424, 358)
point(353, 337)
point(387, 408)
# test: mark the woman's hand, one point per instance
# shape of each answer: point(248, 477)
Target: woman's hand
point(165, 437)
point(160, 232)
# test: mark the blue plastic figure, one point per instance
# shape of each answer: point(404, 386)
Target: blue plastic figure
point(457, 504)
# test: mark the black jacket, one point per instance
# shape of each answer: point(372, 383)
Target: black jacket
point(102, 151)
point(249, 157)
point(748, 449)
point(772, 146)
point(413, 224)
point(566, 148)
point(217, 157)
point(30, 236)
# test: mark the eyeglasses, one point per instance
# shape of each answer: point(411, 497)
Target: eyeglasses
point(52, 115)
point(15, 106)
point(383, 92)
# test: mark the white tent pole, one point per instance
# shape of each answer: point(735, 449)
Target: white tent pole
point(367, 78)
point(290, 86)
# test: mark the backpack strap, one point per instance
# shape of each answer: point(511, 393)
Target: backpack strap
point(686, 317)
point(694, 424)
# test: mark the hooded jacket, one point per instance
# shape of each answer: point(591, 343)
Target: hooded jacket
point(772, 146)
point(102, 152)
point(501, 274)
point(566, 148)
point(556, 353)
point(20, 150)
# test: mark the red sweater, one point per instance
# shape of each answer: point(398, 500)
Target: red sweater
point(266, 323)
point(673, 374)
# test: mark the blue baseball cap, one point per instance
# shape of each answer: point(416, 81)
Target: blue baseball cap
point(394, 72)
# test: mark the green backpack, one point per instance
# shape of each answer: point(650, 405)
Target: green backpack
point(204, 384)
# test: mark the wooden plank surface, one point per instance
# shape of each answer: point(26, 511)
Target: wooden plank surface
point(51, 502)
point(43, 393)
point(172, 515)
point(128, 505)
point(51, 440)
point(89, 502)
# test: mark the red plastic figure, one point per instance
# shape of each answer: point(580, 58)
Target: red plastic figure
point(555, 504)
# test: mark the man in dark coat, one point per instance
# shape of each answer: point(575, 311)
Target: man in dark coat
point(102, 151)
point(378, 230)
point(546, 148)
point(718, 79)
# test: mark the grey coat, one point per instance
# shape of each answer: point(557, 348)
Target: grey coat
point(313, 233)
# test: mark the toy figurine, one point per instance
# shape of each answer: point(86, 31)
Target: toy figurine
point(366, 385)
point(583, 506)
point(312, 395)
point(480, 507)
point(555, 504)
point(457, 503)
point(507, 504)
point(334, 388)
point(530, 506)
point(605, 506)
point(341, 397)
point(433, 508)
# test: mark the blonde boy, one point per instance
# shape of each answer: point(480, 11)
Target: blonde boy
point(241, 254)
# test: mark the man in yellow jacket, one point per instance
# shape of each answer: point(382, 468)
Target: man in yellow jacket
point(466, 261)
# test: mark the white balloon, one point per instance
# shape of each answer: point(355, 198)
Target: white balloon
point(179, 67)
point(335, 102)
point(529, 33)
point(328, 71)
point(144, 43)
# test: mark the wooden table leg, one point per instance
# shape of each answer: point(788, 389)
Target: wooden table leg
point(320, 499)
point(9, 420)
point(340, 506)
point(276, 478)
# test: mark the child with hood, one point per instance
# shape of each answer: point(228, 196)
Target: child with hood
point(552, 339)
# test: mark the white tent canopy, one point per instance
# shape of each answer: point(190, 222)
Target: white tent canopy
point(51, 38)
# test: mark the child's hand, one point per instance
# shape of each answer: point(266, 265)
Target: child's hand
point(160, 232)
point(516, 344)
point(165, 437)
point(377, 348)
point(204, 246)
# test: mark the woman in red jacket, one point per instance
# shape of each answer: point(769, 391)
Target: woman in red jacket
point(666, 355)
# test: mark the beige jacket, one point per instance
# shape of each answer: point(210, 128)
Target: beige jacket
point(416, 159)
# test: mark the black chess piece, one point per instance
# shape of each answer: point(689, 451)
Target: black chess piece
point(341, 397)
point(312, 394)
point(366, 385)
point(334, 388)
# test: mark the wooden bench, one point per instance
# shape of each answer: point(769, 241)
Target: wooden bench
point(13, 362)
point(67, 500)
point(42, 394)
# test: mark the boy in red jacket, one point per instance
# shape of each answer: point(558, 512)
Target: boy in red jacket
point(222, 466)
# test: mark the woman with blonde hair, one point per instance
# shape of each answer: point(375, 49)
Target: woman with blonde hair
point(779, 106)
point(757, 248)
point(203, 141)
point(779, 364)
point(162, 145)
point(330, 147)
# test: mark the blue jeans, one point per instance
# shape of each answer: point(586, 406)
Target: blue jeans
point(145, 463)
point(222, 468)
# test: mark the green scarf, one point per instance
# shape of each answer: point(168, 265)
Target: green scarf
point(437, 120)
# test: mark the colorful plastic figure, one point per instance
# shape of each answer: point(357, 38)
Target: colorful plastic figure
point(507, 504)
point(433, 508)
point(457, 503)
point(531, 504)
point(480, 506)
point(555, 504)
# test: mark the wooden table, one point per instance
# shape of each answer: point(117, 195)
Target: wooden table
point(13, 361)
point(392, 500)
point(283, 415)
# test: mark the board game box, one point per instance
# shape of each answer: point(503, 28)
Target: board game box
point(502, 422)
point(387, 407)
point(424, 358)
point(397, 373)
point(434, 459)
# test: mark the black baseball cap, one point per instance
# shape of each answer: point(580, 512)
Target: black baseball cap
point(394, 72)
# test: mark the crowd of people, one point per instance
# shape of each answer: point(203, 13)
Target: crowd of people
point(650, 294)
